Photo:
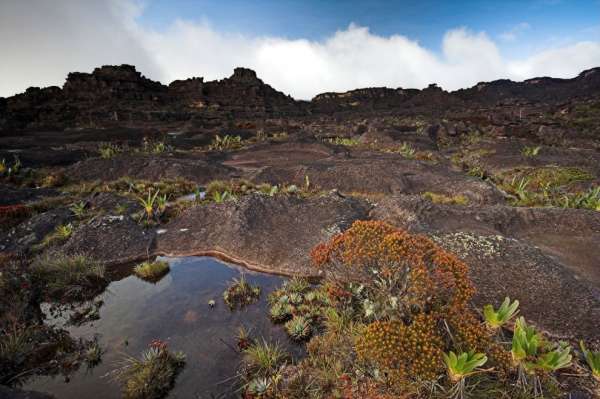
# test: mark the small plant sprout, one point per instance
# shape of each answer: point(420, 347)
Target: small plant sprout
point(592, 359)
point(220, 197)
point(243, 338)
point(161, 202)
point(211, 303)
point(306, 183)
point(461, 366)
point(3, 167)
point(497, 318)
point(78, 209)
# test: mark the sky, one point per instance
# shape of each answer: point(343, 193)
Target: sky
point(300, 47)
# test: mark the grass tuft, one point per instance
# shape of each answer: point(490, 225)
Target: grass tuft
point(152, 271)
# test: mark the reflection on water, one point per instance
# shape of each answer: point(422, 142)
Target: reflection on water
point(174, 310)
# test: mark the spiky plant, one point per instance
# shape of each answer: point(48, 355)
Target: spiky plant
point(295, 298)
point(263, 358)
point(497, 318)
point(280, 312)
point(592, 359)
point(461, 366)
point(296, 284)
point(78, 209)
point(298, 328)
point(258, 387)
point(148, 203)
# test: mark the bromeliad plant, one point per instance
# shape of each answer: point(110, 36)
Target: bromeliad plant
point(461, 366)
point(495, 319)
point(148, 204)
point(592, 359)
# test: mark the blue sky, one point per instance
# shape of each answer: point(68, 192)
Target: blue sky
point(300, 47)
point(534, 24)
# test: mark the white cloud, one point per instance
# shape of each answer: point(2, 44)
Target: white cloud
point(513, 33)
point(80, 35)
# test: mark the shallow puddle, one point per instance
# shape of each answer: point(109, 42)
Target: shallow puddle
point(175, 310)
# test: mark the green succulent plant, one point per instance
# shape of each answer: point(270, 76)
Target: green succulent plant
point(461, 366)
point(592, 359)
point(497, 318)
point(556, 359)
point(295, 298)
point(464, 364)
point(525, 343)
point(258, 387)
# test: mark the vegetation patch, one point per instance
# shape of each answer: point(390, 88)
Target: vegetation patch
point(152, 375)
point(550, 186)
point(240, 293)
point(68, 277)
point(444, 199)
point(152, 271)
point(393, 318)
point(59, 236)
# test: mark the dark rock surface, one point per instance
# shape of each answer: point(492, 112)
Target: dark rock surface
point(465, 143)
point(269, 234)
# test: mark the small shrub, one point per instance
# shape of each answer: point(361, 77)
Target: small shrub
point(152, 271)
point(153, 375)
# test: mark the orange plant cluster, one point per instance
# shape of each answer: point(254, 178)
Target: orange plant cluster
point(409, 348)
point(404, 350)
point(438, 278)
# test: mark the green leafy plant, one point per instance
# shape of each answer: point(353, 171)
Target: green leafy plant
point(497, 318)
point(461, 366)
point(592, 359)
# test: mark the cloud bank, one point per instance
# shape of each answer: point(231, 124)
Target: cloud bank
point(42, 41)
